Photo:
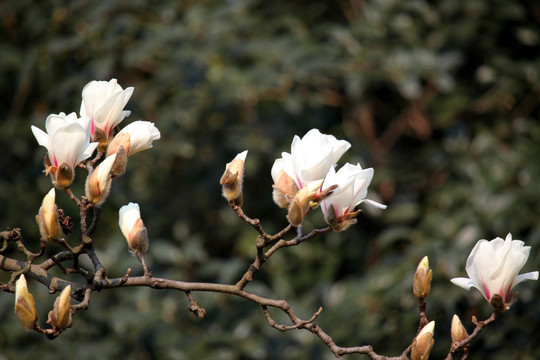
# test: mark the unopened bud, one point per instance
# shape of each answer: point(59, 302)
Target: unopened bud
point(60, 315)
point(47, 217)
point(120, 164)
point(458, 331)
point(284, 189)
point(25, 309)
point(120, 140)
point(300, 204)
point(232, 179)
point(133, 228)
point(423, 342)
point(101, 137)
point(422, 279)
point(62, 176)
point(98, 184)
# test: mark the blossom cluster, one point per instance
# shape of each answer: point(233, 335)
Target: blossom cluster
point(70, 140)
point(306, 177)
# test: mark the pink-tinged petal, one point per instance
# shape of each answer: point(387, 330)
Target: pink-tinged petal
point(103, 103)
point(95, 93)
point(66, 142)
point(110, 114)
point(341, 198)
point(493, 266)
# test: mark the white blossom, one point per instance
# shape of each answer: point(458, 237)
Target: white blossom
point(311, 157)
point(493, 267)
point(353, 182)
point(67, 139)
point(103, 102)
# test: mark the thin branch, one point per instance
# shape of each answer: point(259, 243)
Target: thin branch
point(456, 346)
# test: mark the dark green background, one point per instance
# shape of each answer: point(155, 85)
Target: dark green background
point(441, 98)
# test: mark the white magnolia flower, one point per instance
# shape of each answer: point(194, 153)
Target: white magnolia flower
point(103, 102)
point(131, 225)
point(311, 157)
point(135, 137)
point(493, 267)
point(353, 182)
point(67, 141)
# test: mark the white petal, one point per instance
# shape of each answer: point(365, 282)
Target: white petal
point(464, 283)
point(66, 143)
point(276, 168)
point(374, 203)
point(41, 136)
point(527, 276)
point(141, 134)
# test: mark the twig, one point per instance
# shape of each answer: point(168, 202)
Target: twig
point(456, 346)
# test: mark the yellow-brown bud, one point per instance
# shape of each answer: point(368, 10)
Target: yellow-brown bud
point(120, 164)
point(422, 279)
point(62, 175)
point(458, 331)
point(284, 190)
point(232, 179)
point(423, 342)
point(300, 204)
point(47, 217)
point(101, 138)
point(98, 184)
point(120, 140)
point(60, 315)
point(25, 309)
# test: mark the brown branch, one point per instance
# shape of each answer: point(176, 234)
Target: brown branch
point(194, 306)
point(283, 305)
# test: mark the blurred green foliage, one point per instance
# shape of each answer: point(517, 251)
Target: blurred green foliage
point(440, 97)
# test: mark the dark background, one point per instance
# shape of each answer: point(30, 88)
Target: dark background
point(441, 98)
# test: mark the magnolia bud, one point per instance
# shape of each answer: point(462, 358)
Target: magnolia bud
point(62, 176)
point(47, 217)
point(101, 137)
point(422, 279)
point(60, 315)
point(423, 342)
point(120, 140)
point(232, 179)
point(98, 184)
point(300, 204)
point(284, 189)
point(120, 164)
point(458, 331)
point(133, 228)
point(25, 308)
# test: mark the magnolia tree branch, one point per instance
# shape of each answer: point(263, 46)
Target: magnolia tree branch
point(299, 187)
point(96, 280)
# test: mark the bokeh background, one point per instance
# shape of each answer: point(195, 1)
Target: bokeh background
point(441, 98)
